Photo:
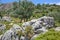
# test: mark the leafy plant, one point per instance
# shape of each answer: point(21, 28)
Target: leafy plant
point(51, 35)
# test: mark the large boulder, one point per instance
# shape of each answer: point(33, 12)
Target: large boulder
point(39, 32)
point(8, 35)
point(2, 27)
point(22, 38)
point(29, 23)
point(42, 30)
point(37, 25)
point(6, 18)
point(24, 25)
point(34, 36)
point(12, 33)
point(1, 37)
point(16, 28)
point(33, 20)
point(47, 21)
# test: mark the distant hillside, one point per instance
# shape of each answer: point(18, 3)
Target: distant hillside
point(6, 7)
point(26, 10)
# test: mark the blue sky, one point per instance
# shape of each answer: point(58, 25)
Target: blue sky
point(37, 1)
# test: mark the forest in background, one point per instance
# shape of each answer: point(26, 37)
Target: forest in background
point(26, 10)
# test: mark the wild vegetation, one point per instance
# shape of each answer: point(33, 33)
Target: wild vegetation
point(25, 10)
point(51, 35)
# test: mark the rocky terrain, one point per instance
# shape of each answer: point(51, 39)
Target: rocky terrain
point(24, 20)
point(16, 32)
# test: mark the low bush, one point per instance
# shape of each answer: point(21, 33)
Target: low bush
point(51, 35)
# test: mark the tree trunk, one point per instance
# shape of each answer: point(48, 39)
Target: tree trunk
point(20, 20)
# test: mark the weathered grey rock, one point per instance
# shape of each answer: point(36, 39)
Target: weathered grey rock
point(6, 18)
point(8, 35)
point(22, 38)
point(29, 23)
point(2, 27)
point(1, 37)
point(42, 30)
point(33, 20)
point(47, 21)
point(16, 28)
point(37, 25)
point(12, 33)
point(38, 32)
point(24, 25)
point(33, 37)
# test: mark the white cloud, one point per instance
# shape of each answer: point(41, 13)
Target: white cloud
point(58, 3)
point(54, 3)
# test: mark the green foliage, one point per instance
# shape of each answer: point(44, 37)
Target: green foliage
point(28, 28)
point(7, 26)
point(29, 32)
point(19, 33)
point(51, 35)
point(57, 24)
point(56, 16)
point(15, 6)
point(24, 11)
point(1, 32)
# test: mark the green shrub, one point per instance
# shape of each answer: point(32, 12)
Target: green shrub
point(57, 24)
point(1, 32)
point(51, 35)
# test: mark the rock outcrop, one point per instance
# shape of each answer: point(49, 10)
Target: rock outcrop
point(6, 18)
point(38, 25)
point(1, 37)
point(12, 33)
point(2, 27)
point(45, 21)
